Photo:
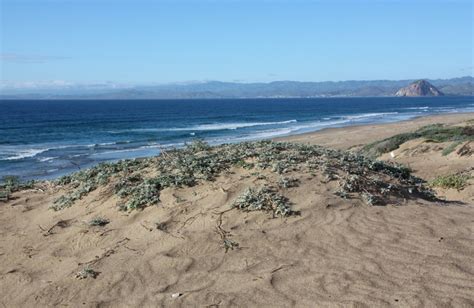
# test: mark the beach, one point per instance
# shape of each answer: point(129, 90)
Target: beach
point(317, 246)
point(49, 138)
point(352, 136)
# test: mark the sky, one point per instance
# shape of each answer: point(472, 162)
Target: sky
point(147, 42)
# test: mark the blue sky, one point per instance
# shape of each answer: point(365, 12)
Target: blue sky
point(168, 41)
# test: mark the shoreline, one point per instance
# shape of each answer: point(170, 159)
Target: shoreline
point(288, 218)
point(373, 131)
point(335, 137)
point(219, 98)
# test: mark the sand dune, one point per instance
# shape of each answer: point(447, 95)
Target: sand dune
point(337, 252)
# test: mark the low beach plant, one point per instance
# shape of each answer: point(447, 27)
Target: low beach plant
point(144, 194)
point(98, 222)
point(138, 183)
point(263, 199)
point(288, 182)
point(87, 272)
point(450, 148)
point(229, 244)
point(452, 181)
point(10, 184)
point(85, 181)
point(10, 181)
point(4, 195)
point(432, 133)
point(371, 199)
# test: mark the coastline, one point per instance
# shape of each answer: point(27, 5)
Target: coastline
point(332, 249)
point(350, 136)
point(344, 137)
point(40, 149)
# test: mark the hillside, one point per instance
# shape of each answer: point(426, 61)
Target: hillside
point(218, 89)
point(419, 88)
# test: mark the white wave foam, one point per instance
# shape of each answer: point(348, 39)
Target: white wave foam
point(20, 154)
point(320, 125)
point(369, 115)
point(208, 127)
point(108, 143)
point(44, 159)
point(418, 108)
point(17, 153)
point(150, 146)
point(100, 144)
point(270, 133)
point(234, 126)
point(256, 136)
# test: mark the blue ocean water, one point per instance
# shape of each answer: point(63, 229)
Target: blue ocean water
point(45, 139)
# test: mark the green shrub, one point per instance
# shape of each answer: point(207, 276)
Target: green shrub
point(4, 195)
point(11, 181)
point(450, 148)
point(434, 133)
point(454, 181)
point(10, 184)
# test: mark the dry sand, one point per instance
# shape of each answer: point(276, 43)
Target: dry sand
point(337, 253)
point(354, 136)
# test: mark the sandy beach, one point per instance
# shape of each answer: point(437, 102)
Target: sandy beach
point(353, 136)
point(193, 248)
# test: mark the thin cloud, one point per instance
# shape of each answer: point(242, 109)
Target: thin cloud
point(36, 84)
point(61, 84)
point(24, 58)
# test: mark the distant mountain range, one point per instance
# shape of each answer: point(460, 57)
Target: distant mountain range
point(215, 89)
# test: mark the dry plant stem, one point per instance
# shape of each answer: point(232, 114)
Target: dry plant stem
point(224, 235)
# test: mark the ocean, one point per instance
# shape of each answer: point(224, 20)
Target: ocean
point(43, 139)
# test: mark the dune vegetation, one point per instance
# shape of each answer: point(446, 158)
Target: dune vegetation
point(248, 224)
point(137, 183)
point(432, 133)
point(455, 181)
